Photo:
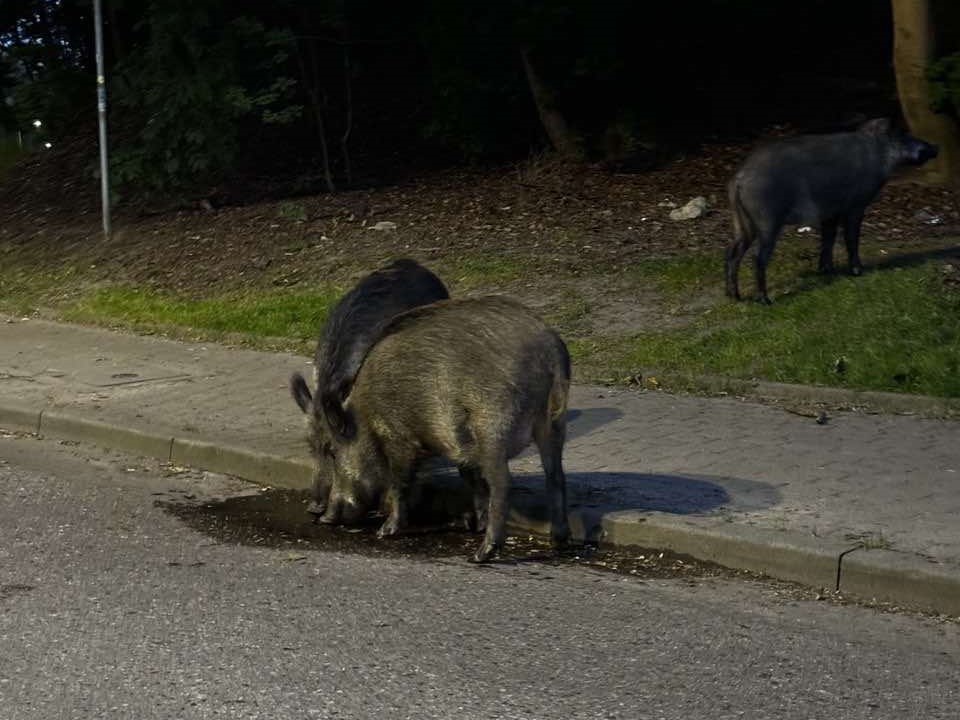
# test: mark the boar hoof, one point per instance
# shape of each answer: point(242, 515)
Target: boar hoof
point(472, 522)
point(480, 520)
point(764, 300)
point(485, 553)
point(856, 270)
point(390, 527)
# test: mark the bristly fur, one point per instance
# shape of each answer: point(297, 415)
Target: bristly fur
point(356, 322)
point(474, 380)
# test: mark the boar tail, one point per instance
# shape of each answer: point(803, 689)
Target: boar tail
point(557, 407)
point(560, 389)
point(742, 224)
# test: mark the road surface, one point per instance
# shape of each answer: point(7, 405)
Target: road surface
point(111, 606)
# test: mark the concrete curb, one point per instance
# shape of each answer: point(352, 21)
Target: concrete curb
point(783, 555)
point(879, 574)
point(258, 467)
point(19, 418)
point(889, 575)
point(216, 457)
point(70, 427)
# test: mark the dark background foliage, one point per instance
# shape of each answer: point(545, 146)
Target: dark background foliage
point(295, 96)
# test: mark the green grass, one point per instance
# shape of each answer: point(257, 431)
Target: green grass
point(676, 278)
point(680, 280)
point(252, 315)
point(571, 313)
point(479, 270)
point(23, 289)
point(895, 329)
point(292, 211)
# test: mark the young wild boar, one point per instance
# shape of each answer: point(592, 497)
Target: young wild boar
point(820, 180)
point(475, 381)
point(351, 328)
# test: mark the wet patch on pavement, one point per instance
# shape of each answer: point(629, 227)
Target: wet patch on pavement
point(278, 518)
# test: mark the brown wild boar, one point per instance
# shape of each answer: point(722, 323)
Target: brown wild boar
point(351, 328)
point(473, 380)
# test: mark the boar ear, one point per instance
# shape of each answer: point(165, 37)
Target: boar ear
point(877, 126)
point(339, 419)
point(301, 393)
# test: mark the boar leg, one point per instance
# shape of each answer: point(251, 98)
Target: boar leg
point(828, 236)
point(735, 252)
point(497, 474)
point(401, 477)
point(550, 443)
point(766, 241)
point(481, 498)
point(851, 236)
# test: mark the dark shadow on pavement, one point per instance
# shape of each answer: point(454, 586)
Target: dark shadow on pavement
point(591, 495)
point(441, 490)
point(676, 494)
point(582, 422)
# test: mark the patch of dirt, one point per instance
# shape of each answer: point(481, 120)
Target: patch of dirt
point(571, 229)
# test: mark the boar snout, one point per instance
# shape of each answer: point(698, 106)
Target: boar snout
point(345, 511)
point(919, 151)
point(316, 509)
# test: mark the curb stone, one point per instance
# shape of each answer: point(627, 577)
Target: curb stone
point(783, 555)
point(874, 573)
point(887, 574)
point(20, 418)
point(257, 467)
point(70, 427)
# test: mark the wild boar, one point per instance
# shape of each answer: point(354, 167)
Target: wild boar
point(819, 180)
point(473, 380)
point(349, 331)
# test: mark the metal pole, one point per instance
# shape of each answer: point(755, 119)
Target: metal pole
point(102, 115)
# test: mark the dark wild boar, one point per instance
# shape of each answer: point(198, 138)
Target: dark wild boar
point(351, 328)
point(475, 381)
point(819, 180)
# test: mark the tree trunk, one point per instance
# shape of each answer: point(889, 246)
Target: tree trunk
point(564, 140)
point(316, 95)
point(348, 101)
point(119, 46)
point(913, 49)
point(310, 80)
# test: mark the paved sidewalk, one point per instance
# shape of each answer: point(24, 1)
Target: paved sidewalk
point(744, 484)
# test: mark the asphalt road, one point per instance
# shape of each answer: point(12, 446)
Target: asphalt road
point(111, 607)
